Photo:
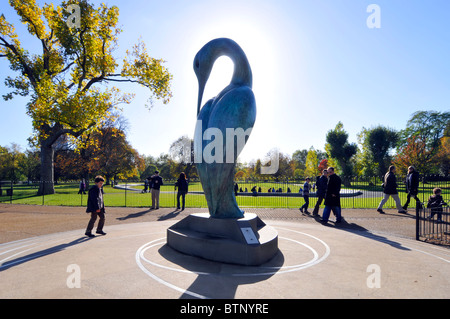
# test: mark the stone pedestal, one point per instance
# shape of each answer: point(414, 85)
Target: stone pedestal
point(244, 241)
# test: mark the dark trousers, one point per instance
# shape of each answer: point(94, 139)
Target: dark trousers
point(336, 211)
point(101, 221)
point(408, 198)
point(318, 203)
point(438, 211)
point(306, 204)
point(183, 198)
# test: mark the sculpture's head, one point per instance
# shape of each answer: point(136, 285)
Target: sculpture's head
point(205, 58)
point(203, 64)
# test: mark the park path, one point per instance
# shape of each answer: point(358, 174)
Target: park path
point(24, 221)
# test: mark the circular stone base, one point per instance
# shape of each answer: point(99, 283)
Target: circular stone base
point(243, 241)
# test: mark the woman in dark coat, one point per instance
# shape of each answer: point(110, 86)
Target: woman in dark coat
point(182, 185)
point(412, 186)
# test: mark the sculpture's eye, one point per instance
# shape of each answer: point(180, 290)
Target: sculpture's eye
point(197, 64)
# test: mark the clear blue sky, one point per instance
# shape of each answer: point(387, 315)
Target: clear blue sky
point(314, 63)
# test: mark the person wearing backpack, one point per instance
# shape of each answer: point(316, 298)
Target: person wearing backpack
point(435, 203)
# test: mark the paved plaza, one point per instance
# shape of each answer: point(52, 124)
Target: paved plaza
point(44, 254)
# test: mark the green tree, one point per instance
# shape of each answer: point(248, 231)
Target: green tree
point(11, 160)
point(312, 163)
point(339, 149)
point(442, 158)
point(257, 169)
point(181, 152)
point(420, 143)
point(299, 159)
point(429, 126)
point(150, 167)
point(376, 143)
point(31, 165)
point(63, 82)
point(415, 153)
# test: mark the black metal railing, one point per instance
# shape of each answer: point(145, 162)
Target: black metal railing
point(358, 192)
point(433, 224)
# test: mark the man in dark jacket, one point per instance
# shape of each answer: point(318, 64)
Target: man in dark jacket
point(321, 185)
point(332, 197)
point(390, 189)
point(182, 185)
point(155, 183)
point(96, 207)
point(412, 186)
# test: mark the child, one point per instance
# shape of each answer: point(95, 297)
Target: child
point(96, 207)
point(306, 188)
point(435, 203)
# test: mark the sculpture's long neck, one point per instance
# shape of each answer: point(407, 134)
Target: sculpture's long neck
point(242, 72)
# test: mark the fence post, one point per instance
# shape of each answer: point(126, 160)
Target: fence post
point(418, 207)
point(423, 188)
point(353, 197)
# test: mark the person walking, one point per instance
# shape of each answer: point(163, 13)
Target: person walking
point(156, 182)
point(332, 197)
point(182, 185)
point(390, 189)
point(306, 188)
point(82, 187)
point(146, 185)
point(412, 187)
point(321, 185)
point(96, 206)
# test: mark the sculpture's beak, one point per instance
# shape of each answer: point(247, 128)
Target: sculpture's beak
point(201, 88)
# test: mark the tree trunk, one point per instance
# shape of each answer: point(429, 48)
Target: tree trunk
point(46, 186)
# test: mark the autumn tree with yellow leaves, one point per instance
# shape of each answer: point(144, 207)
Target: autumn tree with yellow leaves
point(66, 81)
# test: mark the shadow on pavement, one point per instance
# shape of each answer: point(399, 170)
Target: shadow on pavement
point(218, 280)
point(42, 253)
point(359, 230)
